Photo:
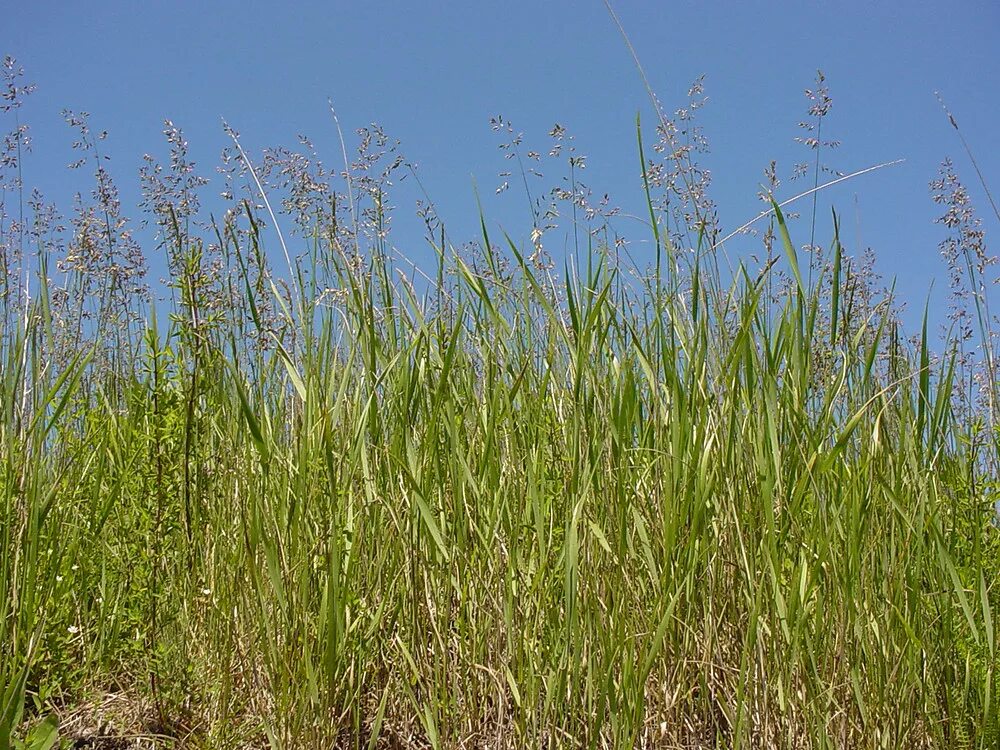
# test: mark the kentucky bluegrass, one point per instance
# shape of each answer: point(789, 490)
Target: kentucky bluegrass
point(612, 504)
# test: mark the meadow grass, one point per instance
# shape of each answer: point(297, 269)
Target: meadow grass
point(606, 506)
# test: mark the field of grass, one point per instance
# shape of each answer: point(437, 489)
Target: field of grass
point(508, 504)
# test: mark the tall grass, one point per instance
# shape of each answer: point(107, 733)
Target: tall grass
point(511, 507)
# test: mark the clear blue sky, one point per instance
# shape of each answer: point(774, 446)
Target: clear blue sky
point(434, 73)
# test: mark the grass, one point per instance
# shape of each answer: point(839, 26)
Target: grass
point(507, 507)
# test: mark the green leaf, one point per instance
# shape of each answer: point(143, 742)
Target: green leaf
point(790, 253)
point(44, 735)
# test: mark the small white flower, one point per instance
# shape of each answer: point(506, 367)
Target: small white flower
point(58, 579)
point(206, 592)
point(73, 629)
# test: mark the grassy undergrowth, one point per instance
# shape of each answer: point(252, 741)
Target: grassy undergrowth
point(508, 507)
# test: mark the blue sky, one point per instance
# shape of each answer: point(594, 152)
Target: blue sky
point(433, 74)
